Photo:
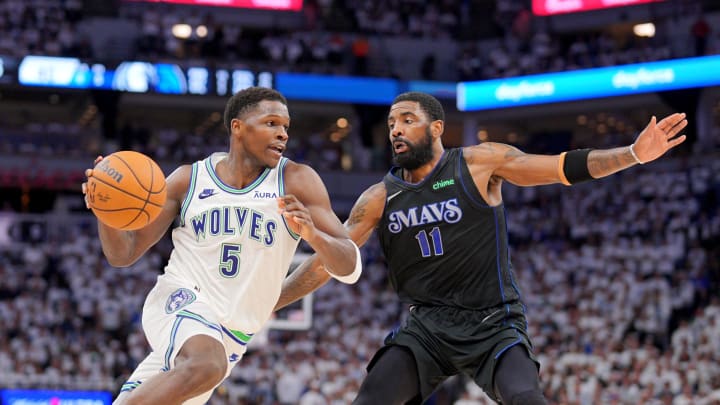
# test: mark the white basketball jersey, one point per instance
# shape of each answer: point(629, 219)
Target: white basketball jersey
point(232, 245)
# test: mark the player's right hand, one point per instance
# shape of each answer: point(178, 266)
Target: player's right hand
point(88, 174)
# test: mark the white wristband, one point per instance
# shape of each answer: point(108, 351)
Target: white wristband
point(353, 277)
point(632, 152)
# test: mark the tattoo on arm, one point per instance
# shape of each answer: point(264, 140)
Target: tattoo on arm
point(358, 212)
point(299, 284)
point(605, 162)
point(513, 153)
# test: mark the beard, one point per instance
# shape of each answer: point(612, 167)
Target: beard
point(417, 154)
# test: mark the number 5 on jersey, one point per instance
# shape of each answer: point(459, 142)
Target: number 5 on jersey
point(230, 259)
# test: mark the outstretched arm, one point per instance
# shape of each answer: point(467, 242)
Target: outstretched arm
point(311, 274)
point(489, 159)
point(656, 139)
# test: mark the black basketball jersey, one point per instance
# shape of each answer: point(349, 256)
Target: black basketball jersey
point(443, 243)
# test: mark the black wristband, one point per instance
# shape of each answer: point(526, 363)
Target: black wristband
point(575, 166)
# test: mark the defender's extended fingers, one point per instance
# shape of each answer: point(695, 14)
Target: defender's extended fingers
point(676, 129)
point(677, 141)
point(670, 121)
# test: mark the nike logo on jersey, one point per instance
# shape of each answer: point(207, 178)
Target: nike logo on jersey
point(208, 192)
point(233, 357)
point(393, 195)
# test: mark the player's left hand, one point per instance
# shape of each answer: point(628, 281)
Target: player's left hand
point(660, 136)
point(88, 174)
point(297, 216)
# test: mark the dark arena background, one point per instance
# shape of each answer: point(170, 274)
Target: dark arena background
point(621, 276)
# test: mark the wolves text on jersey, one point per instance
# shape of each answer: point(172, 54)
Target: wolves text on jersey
point(448, 211)
point(233, 221)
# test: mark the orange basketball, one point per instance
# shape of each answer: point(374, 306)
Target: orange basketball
point(126, 190)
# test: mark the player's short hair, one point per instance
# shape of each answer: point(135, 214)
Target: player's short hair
point(428, 103)
point(244, 100)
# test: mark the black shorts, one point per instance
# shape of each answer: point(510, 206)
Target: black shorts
point(447, 341)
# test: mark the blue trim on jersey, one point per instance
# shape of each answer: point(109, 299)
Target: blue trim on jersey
point(190, 192)
point(230, 189)
point(179, 317)
point(171, 346)
point(497, 256)
point(187, 314)
point(509, 263)
point(281, 189)
point(504, 349)
point(235, 338)
point(130, 385)
point(465, 187)
point(497, 260)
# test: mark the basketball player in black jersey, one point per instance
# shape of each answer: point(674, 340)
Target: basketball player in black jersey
point(440, 219)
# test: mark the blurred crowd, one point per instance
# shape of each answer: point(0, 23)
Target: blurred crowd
point(42, 27)
point(620, 277)
point(339, 37)
point(54, 140)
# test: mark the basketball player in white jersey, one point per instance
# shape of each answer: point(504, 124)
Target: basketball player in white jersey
point(240, 216)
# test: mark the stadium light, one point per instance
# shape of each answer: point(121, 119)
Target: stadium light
point(181, 31)
point(644, 30)
point(201, 31)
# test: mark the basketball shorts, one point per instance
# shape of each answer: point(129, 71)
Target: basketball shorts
point(171, 315)
point(447, 341)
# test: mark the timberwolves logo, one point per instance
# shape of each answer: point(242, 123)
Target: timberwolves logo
point(180, 298)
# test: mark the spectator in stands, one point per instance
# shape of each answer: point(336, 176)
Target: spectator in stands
point(700, 32)
point(361, 52)
point(427, 69)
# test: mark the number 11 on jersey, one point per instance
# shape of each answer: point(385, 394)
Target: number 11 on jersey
point(437, 246)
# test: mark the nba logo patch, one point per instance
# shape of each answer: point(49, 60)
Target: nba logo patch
point(180, 298)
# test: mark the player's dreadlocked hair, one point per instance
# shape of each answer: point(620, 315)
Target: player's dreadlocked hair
point(245, 100)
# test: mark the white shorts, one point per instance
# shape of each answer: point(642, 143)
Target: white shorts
point(171, 315)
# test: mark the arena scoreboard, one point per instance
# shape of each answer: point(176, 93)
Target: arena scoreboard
point(134, 76)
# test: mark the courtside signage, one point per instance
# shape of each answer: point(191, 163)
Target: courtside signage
point(42, 397)
point(589, 83)
point(552, 7)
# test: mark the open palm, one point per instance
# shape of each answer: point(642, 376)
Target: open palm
point(659, 137)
